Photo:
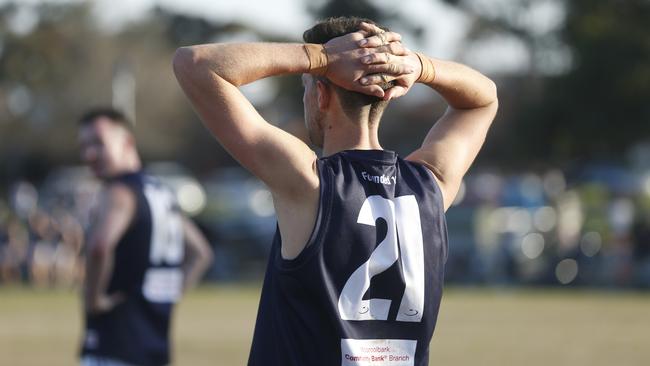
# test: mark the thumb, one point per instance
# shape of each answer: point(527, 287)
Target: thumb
point(394, 92)
point(374, 90)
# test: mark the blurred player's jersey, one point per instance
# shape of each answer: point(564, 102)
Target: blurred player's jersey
point(367, 288)
point(147, 270)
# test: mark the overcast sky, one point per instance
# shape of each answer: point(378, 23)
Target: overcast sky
point(284, 17)
point(444, 27)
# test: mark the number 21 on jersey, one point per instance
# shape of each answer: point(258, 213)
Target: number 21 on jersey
point(403, 242)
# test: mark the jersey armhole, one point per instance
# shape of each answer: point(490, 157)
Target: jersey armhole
point(314, 242)
point(441, 206)
point(443, 223)
point(130, 186)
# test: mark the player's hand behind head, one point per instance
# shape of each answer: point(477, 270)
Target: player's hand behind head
point(387, 61)
point(346, 66)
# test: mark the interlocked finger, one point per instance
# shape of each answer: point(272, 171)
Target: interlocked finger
point(376, 58)
point(392, 69)
point(395, 48)
point(377, 79)
point(381, 39)
point(370, 28)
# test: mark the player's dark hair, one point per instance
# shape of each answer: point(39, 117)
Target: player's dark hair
point(110, 113)
point(351, 101)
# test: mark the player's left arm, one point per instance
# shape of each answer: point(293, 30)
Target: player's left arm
point(198, 254)
point(455, 140)
point(117, 209)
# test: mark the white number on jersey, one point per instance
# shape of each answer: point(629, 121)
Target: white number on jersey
point(166, 227)
point(402, 217)
point(163, 284)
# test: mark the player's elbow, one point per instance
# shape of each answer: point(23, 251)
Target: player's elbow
point(184, 61)
point(208, 256)
point(489, 101)
point(492, 94)
point(197, 66)
point(203, 254)
point(206, 252)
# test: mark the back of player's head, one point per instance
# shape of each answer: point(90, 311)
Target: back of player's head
point(115, 116)
point(351, 102)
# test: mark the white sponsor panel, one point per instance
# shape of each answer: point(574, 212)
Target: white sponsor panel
point(377, 352)
point(163, 285)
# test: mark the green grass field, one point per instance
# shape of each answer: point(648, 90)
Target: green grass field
point(213, 326)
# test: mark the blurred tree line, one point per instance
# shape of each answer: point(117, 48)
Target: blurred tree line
point(584, 94)
point(594, 107)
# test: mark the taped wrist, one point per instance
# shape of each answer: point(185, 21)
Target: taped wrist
point(317, 58)
point(428, 73)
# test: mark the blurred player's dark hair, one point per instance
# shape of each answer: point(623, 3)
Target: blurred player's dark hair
point(110, 113)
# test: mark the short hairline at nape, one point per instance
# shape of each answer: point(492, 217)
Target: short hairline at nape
point(115, 116)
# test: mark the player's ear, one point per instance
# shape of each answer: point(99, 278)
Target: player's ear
point(323, 94)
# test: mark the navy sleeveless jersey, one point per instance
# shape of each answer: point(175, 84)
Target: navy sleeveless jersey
point(147, 270)
point(367, 288)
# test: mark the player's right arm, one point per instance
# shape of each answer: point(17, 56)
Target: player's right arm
point(211, 75)
point(116, 211)
point(198, 254)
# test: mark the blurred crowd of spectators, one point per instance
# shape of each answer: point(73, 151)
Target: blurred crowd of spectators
point(42, 234)
point(589, 227)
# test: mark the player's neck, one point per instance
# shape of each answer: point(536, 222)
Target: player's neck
point(345, 134)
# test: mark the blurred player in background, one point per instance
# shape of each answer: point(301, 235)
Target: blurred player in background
point(356, 268)
point(142, 253)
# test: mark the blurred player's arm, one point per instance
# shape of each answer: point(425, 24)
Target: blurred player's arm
point(198, 254)
point(116, 211)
